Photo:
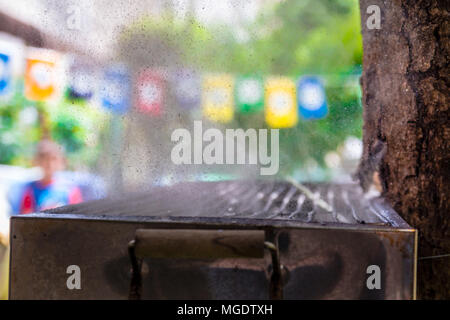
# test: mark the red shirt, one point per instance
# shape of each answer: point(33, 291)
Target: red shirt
point(37, 196)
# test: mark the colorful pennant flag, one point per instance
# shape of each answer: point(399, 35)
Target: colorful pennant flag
point(11, 63)
point(41, 75)
point(82, 80)
point(187, 85)
point(115, 90)
point(150, 92)
point(280, 105)
point(217, 98)
point(249, 94)
point(5, 74)
point(311, 98)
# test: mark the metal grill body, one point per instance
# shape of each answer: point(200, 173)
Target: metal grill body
point(326, 237)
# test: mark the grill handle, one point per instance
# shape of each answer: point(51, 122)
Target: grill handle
point(200, 244)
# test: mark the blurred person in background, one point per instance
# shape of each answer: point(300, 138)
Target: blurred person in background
point(48, 193)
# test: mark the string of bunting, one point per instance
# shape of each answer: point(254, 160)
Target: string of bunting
point(282, 99)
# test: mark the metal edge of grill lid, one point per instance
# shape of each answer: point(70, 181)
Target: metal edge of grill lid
point(244, 201)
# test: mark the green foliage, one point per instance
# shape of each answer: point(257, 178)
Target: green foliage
point(68, 131)
point(73, 124)
point(296, 36)
point(77, 125)
point(16, 137)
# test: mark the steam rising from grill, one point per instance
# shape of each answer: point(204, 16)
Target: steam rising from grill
point(317, 203)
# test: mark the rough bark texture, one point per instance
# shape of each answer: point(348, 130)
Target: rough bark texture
point(405, 86)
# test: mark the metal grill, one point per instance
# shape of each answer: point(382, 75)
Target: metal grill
point(319, 203)
point(193, 241)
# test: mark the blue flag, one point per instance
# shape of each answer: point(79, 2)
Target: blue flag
point(115, 92)
point(312, 103)
point(5, 74)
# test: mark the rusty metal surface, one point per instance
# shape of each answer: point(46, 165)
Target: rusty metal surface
point(199, 244)
point(323, 263)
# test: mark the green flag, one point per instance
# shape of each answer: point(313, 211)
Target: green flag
point(249, 94)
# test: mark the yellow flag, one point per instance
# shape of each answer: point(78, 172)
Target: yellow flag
point(280, 103)
point(217, 97)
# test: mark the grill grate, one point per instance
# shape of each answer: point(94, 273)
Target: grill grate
point(241, 199)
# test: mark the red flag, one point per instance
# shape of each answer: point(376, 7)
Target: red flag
point(150, 92)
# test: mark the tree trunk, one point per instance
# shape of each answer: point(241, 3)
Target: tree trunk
point(405, 87)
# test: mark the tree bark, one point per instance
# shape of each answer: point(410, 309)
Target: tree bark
point(405, 85)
